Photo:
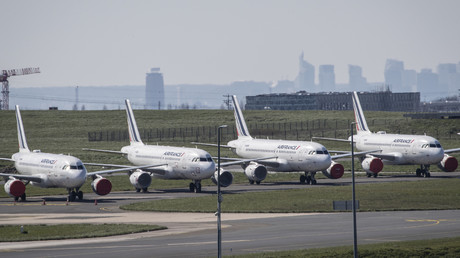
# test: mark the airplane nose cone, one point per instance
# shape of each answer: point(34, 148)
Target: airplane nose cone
point(76, 178)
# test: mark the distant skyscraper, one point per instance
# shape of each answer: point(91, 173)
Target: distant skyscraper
point(356, 80)
point(154, 90)
point(427, 85)
point(394, 75)
point(448, 79)
point(306, 78)
point(326, 78)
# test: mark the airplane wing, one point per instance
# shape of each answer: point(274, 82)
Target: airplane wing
point(211, 144)
point(7, 159)
point(330, 139)
point(21, 177)
point(389, 157)
point(452, 150)
point(263, 161)
point(120, 168)
point(345, 154)
point(105, 151)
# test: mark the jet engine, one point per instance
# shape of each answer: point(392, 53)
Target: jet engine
point(140, 180)
point(334, 171)
point(226, 178)
point(101, 186)
point(448, 163)
point(255, 172)
point(372, 165)
point(15, 188)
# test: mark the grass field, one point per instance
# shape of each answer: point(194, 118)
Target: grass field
point(443, 247)
point(12, 233)
point(67, 131)
point(419, 195)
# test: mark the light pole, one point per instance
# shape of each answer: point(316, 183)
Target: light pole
point(353, 205)
point(219, 195)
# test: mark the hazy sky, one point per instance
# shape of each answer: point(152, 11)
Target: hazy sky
point(209, 41)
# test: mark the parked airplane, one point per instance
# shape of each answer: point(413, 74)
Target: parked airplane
point(173, 162)
point(49, 170)
point(281, 155)
point(398, 149)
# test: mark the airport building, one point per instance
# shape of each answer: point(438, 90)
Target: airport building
point(154, 90)
point(375, 101)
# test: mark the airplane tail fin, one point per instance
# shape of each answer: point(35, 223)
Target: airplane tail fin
point(361, 124)
point(134, 136)
point(21, 134)
point(241, 128)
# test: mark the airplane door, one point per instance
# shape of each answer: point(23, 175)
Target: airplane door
point(302, 154)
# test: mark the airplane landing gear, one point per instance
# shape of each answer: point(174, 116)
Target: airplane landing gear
point(375, 175)
point(195, 186)
point(74, 193)
point(308, 178)
point(23, 197)
point(424, 171)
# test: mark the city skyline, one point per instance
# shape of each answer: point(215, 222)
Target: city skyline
point(100, 43)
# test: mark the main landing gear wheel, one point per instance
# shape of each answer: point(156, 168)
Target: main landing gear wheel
point(80, 195)
point(308, 178)
point(424, 171)
point(23, 197)
point(72, 196)
point(251, 182)
point(302, 179)
point(195, 187)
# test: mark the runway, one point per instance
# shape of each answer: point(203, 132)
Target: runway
point(195, 234)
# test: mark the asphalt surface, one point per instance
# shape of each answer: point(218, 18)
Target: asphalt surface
point(195, 234)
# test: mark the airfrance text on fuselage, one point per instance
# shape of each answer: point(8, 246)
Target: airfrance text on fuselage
point(288, 147)
point(403, 140)
point(175, 154)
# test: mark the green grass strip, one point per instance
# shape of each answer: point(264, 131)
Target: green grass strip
point(436, 194)
point(12, 233)
point(442, 247)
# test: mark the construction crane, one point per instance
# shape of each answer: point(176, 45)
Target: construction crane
point(5, 103)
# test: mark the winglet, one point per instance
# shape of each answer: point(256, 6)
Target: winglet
point(361, 124)
point(134, 136)
point(241, 128)
point(21, 134)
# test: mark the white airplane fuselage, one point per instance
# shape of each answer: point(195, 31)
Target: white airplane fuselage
point(291, 155)
point(182, 163)
point(55, 170)
point(407, 149)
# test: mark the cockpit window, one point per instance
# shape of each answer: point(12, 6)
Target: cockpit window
point(208, 158)
point(79, 167)
point(431, 145)
point(322, 152)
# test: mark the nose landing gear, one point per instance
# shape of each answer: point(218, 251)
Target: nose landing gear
point(195, 186)
point(424, 171)
point(308, 178)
